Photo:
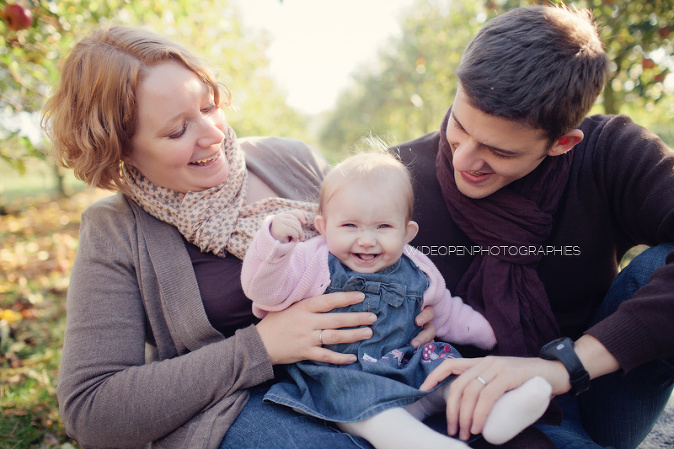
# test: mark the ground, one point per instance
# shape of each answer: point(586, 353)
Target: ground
point(662, 435)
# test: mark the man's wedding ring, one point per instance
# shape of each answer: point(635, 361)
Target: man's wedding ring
point(320, 337)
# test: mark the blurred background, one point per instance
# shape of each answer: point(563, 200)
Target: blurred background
point(329, 72)
point(325, 71)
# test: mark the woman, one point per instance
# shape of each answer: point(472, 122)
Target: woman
point(161, 344)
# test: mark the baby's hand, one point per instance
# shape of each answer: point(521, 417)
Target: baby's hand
point(287, 226)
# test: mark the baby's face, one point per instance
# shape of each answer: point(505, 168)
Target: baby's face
point(366, 229)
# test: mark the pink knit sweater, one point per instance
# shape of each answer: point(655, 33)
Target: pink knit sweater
point(276, 275)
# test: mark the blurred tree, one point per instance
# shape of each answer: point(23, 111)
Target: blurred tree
point(27, 67)
point(412, 83)
point(639, 41)
point(29, 59)
point(213, 29)
point(407, 90)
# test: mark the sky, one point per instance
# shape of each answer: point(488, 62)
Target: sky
point(317, 44)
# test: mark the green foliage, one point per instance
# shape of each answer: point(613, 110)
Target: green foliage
point(29, 59)
point(639, 39)
point(409, 87)
point(407, 90)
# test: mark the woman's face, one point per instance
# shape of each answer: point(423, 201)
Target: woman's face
point(180, 131)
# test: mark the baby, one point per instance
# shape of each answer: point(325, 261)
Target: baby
point(364, 219)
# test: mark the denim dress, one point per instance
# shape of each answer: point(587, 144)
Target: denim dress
point(389, 370)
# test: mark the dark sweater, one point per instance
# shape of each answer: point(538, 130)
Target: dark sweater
point(620, 193)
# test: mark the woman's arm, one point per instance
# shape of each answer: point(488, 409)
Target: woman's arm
point(294, 334)
point(108, 396)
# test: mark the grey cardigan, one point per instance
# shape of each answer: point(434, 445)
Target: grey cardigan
point(142, 366)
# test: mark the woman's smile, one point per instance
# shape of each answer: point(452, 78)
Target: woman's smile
point(207, 161)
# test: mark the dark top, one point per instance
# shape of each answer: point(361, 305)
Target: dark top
point(620, 193)
point(293, 170)
point(225, 304)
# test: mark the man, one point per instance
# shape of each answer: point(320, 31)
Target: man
point(527, 207)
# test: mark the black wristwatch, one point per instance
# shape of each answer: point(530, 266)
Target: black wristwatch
point(562, 350)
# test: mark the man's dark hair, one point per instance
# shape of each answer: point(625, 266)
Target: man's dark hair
point(542, 66)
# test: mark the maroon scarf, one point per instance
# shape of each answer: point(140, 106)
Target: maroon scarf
point(504, 287)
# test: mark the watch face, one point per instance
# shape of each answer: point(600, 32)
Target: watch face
point(559, 346)
point(550, 350)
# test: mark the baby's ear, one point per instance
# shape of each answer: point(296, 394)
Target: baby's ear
point(411, 231)
point(319, 224)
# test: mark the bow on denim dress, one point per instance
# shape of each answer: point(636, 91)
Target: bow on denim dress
point(389, 370)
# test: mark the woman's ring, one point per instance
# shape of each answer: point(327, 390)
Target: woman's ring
point(320, 337)
point(481, 380)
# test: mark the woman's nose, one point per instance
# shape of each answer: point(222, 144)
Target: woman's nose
point(212, 129)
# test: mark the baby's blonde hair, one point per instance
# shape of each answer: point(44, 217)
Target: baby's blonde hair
point(369, 167)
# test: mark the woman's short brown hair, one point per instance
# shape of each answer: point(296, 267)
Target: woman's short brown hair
point(92, 115)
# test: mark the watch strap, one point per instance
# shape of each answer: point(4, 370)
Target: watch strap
point(562, 349)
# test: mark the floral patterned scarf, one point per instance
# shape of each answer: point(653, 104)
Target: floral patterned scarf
point(217, 220)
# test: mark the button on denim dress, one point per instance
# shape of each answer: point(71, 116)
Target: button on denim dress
point(389, 370)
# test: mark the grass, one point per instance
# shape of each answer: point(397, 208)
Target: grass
point(39, 177)
point(38, 242)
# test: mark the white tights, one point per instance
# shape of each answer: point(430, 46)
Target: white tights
point(401, 428)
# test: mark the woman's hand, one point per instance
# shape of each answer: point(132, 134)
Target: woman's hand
point(295, 333)
point(470, 401)
point(427, 333)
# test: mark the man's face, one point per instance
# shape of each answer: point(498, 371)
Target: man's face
point(490, 152)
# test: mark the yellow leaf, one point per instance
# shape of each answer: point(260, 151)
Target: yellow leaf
point(10, 316)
